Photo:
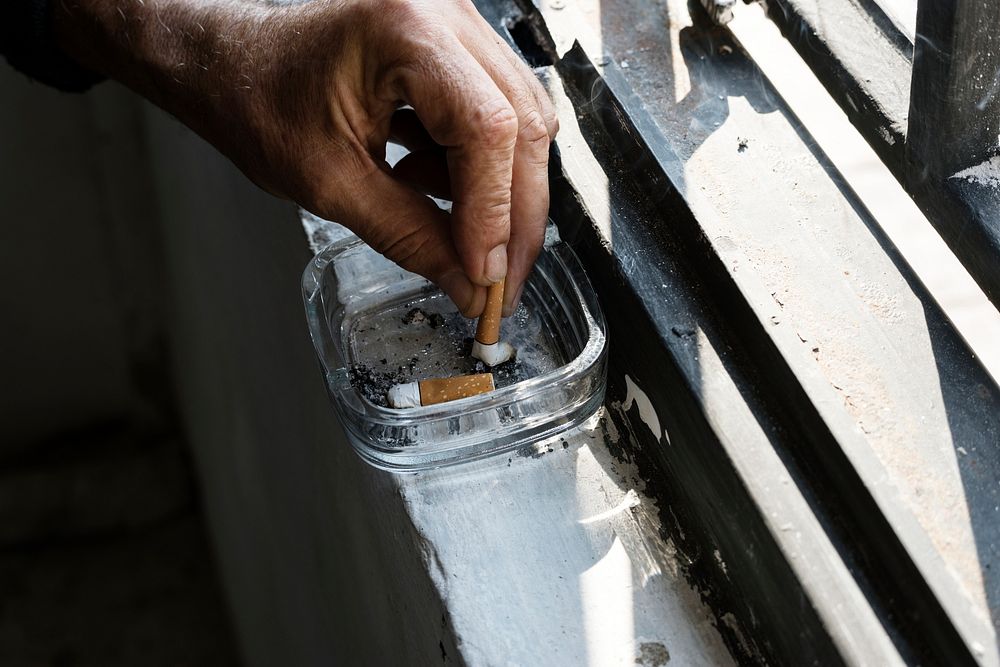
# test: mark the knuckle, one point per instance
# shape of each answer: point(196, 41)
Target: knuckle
point(546, 107)
point(494, 217)
point(496, 124)
point(551, 122)
point(549, 115)
point(534, 130)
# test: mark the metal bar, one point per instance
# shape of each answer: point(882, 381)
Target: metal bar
point(953, 158)
point(896, 26)
point(716, 515)
point(861, 60)
point(955, 87)
point(929, 128)
point(899, 571)
point(866, 537)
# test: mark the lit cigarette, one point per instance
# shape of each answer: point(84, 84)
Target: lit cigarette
point(487, 347)
point(440, 390)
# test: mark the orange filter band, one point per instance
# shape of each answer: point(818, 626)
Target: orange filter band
point(442, 390)
point(488, 329)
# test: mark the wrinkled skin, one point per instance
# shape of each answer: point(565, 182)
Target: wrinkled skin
point(303, 99)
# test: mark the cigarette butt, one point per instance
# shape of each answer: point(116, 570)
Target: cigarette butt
point(492, 355)
point(440, 390)
point(488, 329)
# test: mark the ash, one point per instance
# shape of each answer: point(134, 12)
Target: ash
point(419, 316)
point(427, 338)
point(375, 385)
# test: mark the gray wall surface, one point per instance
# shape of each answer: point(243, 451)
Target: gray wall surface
point(78, 265)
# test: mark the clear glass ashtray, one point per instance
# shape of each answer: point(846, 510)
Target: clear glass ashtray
point(374, 325)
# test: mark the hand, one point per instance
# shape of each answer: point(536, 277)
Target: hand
point(303, 98)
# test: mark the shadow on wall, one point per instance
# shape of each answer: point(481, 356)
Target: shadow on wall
point(103, 553)
point(78, 262)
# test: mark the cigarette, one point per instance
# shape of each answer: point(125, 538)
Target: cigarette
point(440, 390)
point(487, 346)
point(488, 329)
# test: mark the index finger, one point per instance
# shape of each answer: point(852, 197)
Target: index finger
point(463, 110)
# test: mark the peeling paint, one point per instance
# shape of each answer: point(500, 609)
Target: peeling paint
point(646, 411)
point(887, 136)
point(984, 173)
point(722, 563)
point(731, 622)
point(611, 429)
point(630, 500)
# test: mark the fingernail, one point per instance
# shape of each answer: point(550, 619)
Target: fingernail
point(509, 308)
point(458, 288)
point(496, 264)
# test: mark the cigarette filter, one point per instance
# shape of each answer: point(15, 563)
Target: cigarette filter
point(440, 390)
point(488, 329)
point(487, 346)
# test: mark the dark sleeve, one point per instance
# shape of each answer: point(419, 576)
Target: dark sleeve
point(26, 40)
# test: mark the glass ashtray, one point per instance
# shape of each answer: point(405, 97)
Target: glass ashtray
point(374, 325)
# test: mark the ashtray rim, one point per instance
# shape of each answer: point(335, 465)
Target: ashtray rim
point(360, 414)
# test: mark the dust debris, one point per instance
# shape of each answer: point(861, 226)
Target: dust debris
point(652, 654)
point(504, 374)
point(374, 385)
point(421, 316)
point(507, 373)
point(742, 145)
point(414, 316)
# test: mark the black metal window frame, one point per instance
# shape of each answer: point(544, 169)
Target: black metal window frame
point(927, 120)
point(944, 121)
